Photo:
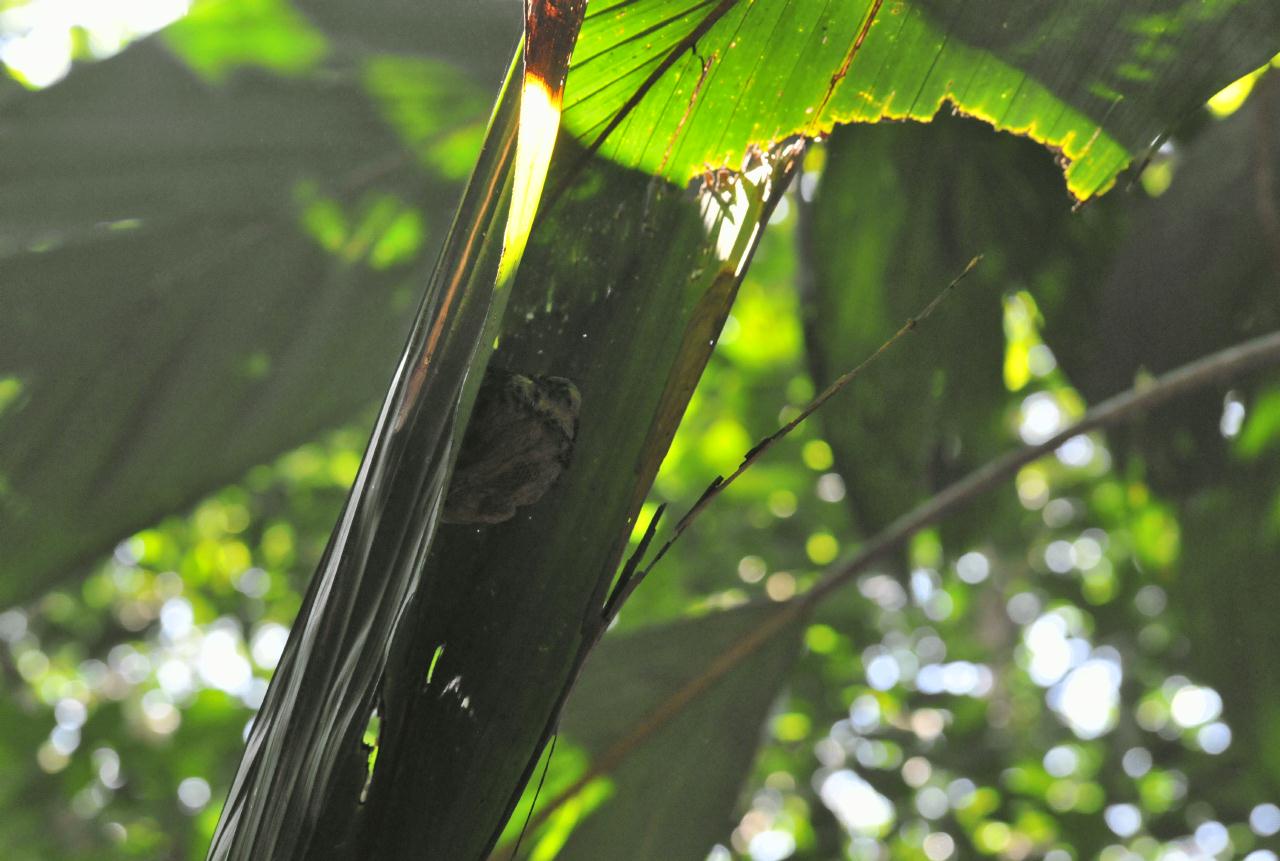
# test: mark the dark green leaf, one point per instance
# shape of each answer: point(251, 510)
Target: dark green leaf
point(695, 691)
point(199, 276)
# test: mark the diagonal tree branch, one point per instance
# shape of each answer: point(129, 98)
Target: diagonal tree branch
point(1230, 363)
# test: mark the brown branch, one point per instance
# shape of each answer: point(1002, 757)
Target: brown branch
point(1231, 362)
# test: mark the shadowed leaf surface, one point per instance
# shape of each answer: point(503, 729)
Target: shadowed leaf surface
point(626, 707)
point(1219, 219)
point(201, 275)
point(627, 309)
point(899, 211)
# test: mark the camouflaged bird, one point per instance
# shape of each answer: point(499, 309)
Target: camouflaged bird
point(518, 441)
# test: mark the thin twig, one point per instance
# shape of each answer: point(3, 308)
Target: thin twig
point(627, 580)
point(533, 803)
point(719, 484)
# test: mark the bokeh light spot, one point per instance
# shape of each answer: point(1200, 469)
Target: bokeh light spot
point(194, 793)
point(1040, 418)
point(973, 568)
point(856, 804)
point(1194, 705)
point(817, 455)
point(751, 569)
point(1264, 819)
point(1123, 819)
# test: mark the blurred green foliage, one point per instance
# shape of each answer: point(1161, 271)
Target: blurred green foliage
point(1081, 668)
point(127, 696)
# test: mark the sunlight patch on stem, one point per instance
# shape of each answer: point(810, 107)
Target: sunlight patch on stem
point(539, 124)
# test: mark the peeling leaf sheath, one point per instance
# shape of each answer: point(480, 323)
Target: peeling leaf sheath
point(479, 263)
point(374, 561)
point(551, 29)
point(287, 799)
point(339, 643)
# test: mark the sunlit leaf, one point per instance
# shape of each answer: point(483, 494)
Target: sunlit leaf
point(690, 84)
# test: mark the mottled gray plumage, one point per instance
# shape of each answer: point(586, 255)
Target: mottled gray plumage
point(519, 440)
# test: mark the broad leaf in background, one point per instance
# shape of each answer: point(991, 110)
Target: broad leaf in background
point(1198, 271)
point(1225, 596)
point(657, 696)
point(202, 274)
point(897, 213)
